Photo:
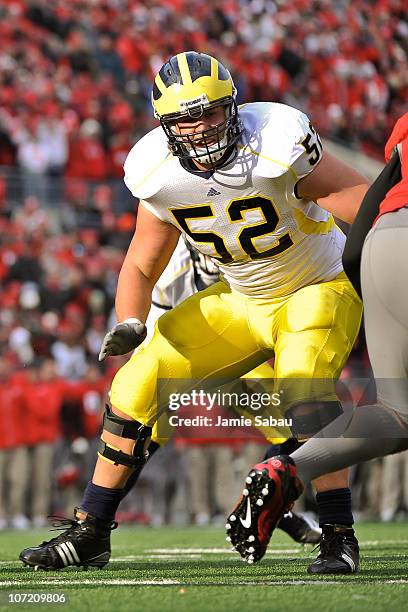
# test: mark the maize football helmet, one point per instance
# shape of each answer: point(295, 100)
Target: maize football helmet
point(186, 86)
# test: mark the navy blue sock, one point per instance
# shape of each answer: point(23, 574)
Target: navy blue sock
point(101, 501)
point(334, 507)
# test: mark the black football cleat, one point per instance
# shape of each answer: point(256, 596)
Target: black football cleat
point(339, 552)
point(302, 529)
point(85, 543)
point(271, 488)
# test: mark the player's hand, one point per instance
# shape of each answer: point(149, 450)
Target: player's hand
point(123, 338)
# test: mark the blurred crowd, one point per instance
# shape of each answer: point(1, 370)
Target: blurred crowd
point(76, 77)
point(75, 81)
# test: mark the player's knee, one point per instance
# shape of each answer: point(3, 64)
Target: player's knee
point(124, 441)
point(309, 418)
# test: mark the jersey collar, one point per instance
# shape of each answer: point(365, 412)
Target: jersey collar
point(229, 156)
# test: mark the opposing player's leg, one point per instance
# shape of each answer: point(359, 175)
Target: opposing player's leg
point(302, 529)
point(299, 528)
point(206, 336)
point(271, 487)
point(326, 346)
point(382, 428)
point(316, 331)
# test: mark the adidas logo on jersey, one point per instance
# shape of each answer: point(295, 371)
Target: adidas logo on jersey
point(213, 192)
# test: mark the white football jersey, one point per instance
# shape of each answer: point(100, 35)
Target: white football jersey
point(177, 281)
point(246, 215)
point(176, 284)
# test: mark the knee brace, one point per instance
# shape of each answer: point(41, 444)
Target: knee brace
point(310, 417)
point(132, 430)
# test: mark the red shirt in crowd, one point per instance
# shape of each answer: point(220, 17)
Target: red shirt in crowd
point(13, 422)
point(87, 159)
point(91, 395)
point(43, 403)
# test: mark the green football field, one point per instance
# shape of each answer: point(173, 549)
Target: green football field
point(193, 569)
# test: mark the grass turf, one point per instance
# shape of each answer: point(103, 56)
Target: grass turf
point(193, 569)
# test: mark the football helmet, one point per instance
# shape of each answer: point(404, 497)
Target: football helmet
point(185, 88)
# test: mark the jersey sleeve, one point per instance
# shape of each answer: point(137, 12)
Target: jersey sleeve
point(151, 208)
point(307, 148)
point(144, 165)
point(288, 143)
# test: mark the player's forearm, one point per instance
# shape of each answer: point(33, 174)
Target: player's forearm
point(335, 186)
point(346, 203)
point(133, 294)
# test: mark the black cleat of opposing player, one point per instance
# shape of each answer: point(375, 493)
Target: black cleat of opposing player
point(339, 552)
point(301, 529)
point(85, 543)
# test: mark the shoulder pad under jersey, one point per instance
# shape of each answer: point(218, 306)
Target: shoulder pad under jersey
point(145, 163)
point(274, 133)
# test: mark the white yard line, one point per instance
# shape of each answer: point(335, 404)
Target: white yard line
point(154, 557)
point(167, 582)
point(75, 582)
point(196, 553)
point(176, 553)
point(381, 542)
point(213, 551)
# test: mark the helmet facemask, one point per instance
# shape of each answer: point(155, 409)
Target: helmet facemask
point(207, 146)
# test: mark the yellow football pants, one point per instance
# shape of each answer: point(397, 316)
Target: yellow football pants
point(219, 333)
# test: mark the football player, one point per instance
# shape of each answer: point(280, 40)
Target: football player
point(251, 188)
point(371, 431)
point(187, 272)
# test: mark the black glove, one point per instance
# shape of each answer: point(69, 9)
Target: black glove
point(123, 338)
